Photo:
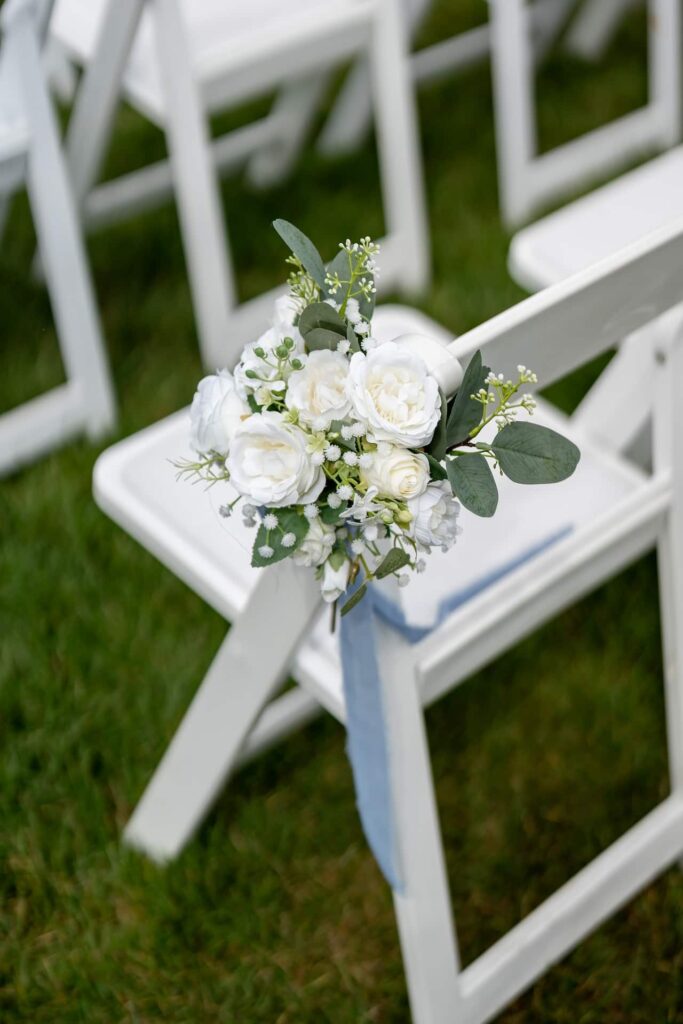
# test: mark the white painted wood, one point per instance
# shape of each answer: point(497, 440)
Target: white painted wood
point(423, 912)
point(617, 513)
point(178, 61)
point(199, 204)
point(292, 114)
point(595, 25)
point(405, 211)
point(583, 903)
point(349, 120)
point(86, 402)
point(668, 458)
point(153, 184)
point(250, 665)
point(527, 180)
point(617, 408)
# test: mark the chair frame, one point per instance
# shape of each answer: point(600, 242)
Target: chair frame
point(195, 160)
point(85, 403)
point(529, 181)
point(555, 331)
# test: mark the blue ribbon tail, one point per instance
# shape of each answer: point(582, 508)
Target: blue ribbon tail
point(367, 736)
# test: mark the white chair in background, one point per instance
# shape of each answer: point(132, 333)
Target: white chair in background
point(577, 236)
point(616, 513)
point(529, 180)
point(177, 62)
point(30, 155)
point(349, 120)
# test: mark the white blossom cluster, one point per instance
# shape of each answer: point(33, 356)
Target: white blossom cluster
point(324, 432)
point(324, 449)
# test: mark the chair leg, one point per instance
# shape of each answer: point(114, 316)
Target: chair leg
point(423, 909)
point(511, 67)
point(398, 142)
point(242, 677)
point(668, 452)
point(197, 189)
point(97, 98)
point(60, 240)
point(594, 27)
point(293, 114)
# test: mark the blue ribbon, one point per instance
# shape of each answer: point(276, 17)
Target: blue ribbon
point(367, 740)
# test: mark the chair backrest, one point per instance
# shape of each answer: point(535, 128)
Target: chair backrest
point(555, 332)
point(528, 181)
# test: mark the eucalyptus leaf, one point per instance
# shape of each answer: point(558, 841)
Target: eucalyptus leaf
point(330, 515)
point(465, 413)
point(472, 482)
point(303, 248)
point(321, 326)
point(531, 454)
point(357, 596)
point(437, 446)
point(392, 562)
point(289, 521)
point(436, 470)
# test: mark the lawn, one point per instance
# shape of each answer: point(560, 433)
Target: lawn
point(276, 912)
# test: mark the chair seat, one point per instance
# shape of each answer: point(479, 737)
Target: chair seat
point(223, 36)
point(599, 224)
point(180, 524)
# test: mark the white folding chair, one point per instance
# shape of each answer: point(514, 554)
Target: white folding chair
point(178, 61)
point(527, 180)
point(577, 236)
point(349, 120)
point(616, 513)
point(30, 154)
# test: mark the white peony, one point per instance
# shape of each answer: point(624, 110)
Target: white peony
point(393, 392)
point(318, 392)
point(217, 411)
point(435, 517)
point(269, 464)
point(334, 581)
point(316, 545)
point(397, 473)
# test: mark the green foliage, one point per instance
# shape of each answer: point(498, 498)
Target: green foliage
point(290, 521)
point(531, 454)
point(436, 470)
point(321, 326)
point(392, 562)
point(465, 414)
point(437, 448)
point(355, 599)
point(340, 266)
point(473, 484)
point(303, 249)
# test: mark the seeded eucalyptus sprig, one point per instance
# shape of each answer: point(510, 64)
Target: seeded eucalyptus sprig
point(526, 453)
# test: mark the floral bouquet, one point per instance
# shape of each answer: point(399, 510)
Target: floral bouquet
point(345, 454)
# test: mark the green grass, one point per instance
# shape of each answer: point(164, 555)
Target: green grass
point(276, 912)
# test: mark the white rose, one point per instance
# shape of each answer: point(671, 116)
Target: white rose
point(318, 392)
point(217, 411)
point(435, 517)
point(268, 377)
point(393, 392)
point(269, 464)
point(316, 545)
point(334, 581)
point(398, 473)
point(285, 312)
